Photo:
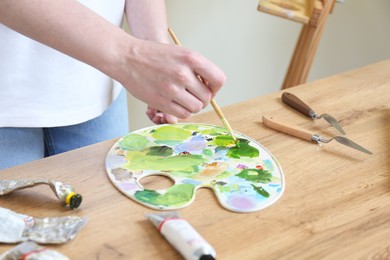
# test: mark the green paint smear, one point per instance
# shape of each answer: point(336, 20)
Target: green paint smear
point(169, 142)
point(176, 195)
point(208, 152)
point(223, 175)
point(191, 127)
point(261, 191)
point(133, 142)
point(220, 148)
point(213, 131)
point(243, 149)
point(171, 133)
point(159, 151)
point(187, 163)
point(255, 175)
point(224, 140)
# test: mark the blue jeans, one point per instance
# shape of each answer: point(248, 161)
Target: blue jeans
point(22, 145)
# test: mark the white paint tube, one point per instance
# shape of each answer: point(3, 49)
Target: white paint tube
point(182, 236)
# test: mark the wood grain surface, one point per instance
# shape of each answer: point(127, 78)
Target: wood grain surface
point(336, 204)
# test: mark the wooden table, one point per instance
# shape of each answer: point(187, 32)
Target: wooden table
point(336, 204)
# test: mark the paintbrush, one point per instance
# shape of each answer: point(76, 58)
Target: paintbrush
point(213, 103)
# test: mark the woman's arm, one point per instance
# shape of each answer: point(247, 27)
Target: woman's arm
point(69, 27)
point(148, 20)
point(161, 75)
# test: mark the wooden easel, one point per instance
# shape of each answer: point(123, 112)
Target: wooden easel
point(313, 14)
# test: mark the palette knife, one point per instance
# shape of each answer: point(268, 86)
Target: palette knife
point(296, 103)
point(309, 136)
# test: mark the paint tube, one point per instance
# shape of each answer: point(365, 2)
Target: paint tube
point(15, 227)
point(31, 251)
point(182, 236)
point(65, 193)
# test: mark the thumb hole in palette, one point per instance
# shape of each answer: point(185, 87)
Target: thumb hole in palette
point(156, 182)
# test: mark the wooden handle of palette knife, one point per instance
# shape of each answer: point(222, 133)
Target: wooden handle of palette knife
point(296, 103)
point(288, 129)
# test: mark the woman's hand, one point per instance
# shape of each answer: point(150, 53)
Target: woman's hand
point(166, 77)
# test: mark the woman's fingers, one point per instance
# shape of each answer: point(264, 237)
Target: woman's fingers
point(158, 117)
point(207, 72)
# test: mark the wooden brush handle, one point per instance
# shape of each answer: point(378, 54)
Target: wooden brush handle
point(288, 129)
point(294, 102)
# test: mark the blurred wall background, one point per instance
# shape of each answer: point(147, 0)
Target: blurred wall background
point(254, 48)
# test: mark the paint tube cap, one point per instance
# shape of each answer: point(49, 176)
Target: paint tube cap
point(207, 257)
point(75, 201)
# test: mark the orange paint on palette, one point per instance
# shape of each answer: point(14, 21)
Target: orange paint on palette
point(259, 167)
point(214, 169)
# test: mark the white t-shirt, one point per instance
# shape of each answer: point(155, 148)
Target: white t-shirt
point(41, 87)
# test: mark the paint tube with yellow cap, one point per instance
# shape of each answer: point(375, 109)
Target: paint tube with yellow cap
point(64, 193)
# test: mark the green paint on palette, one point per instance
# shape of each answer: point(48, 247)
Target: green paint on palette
point(159, 151)
point(224, 140)
point(186, 163)
point(223, 175)
point(191, 127)
point(208, 152)
point(255, 175)
point(171, 133)
point(213, 131)
point(243, 149)
point(133, 142)
point(261, 191)
point(176, 195)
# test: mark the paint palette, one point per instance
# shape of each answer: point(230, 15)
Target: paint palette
point(244, 178)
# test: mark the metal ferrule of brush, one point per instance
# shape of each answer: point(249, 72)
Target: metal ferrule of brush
point(313, 114)
point(316, 138)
